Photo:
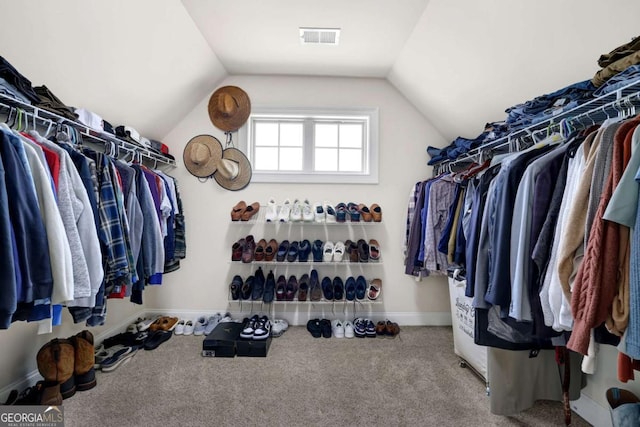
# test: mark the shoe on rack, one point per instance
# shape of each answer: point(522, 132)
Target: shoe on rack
point(249, 327)
point(249, 249)
point(361, 288)
point(327, 289)
point(365, 214)
point(259, 251)
point(314, 286)
point(296, 211)
point(338, 251)
point(179, 329)
point(189, 327)
point(330, 213)
point(258, 285)
point(212, 322)
point(318, 213)
point(237, 249)
point(337, 328)
point(376, 212)
point(278, 327)
point(354, 213)
point(325, 328)
point(283, 250)
point(338, 289)
point(375, 287)
point(341, 212)
point(348, 329)
point(281, 288)
point(292, 254)
point(327, 252)
point(363, 251)
point(350, 289)
point(291, 289)
point(285, 211)
point(247, 288)
point(304, 250)
point(235, 287)
point(200, 326)
point(262, 328)
point(374, 250)
point(272, 210)
point(352, 250)
point(307, 212)
point(316, 250)
point(250, 211)
point(269, 288)
point(237, 210)
point(303, 287)
point(271, 250)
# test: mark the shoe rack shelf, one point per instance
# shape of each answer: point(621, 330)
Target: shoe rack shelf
point(260, 218)
point(309, 263)
point(322, 301)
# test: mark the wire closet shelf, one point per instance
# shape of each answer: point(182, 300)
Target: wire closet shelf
point(619, 103)
point(32, 115)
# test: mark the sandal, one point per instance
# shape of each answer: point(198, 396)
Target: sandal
point(375, 287)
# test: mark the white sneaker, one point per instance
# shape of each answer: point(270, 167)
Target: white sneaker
point(272, 210)
point(348, 329)
point(307, 212)
point(278, 327)
point(296, 211)
point(330, 213)
point(327, 252)
point(227, 318)
point(212, 322)
point(189, 327)
point(338, 251)
point(285, 211)
point(179, 330)
point(201, 325)
point(318, 212)
point(337, 329)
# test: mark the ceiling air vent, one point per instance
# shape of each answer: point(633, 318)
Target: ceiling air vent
point(327, 36)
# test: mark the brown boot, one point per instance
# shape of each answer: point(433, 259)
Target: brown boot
point(56, 360)
point(43, 393)
point(84, 372)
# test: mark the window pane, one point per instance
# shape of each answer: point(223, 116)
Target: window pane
point(350, 160)
point(291, 159)
point(291, 134)
point(326, 159)
point(266, 134)
point(326, 135)
point(266, 159)
point(351, 136)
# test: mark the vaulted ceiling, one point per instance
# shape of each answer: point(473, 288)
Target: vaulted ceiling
point(147, 63)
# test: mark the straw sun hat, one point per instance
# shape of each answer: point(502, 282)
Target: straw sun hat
point(229, 108)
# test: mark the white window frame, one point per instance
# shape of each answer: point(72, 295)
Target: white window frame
point(369, 175)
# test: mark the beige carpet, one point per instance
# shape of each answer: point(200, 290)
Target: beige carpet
point(413, 380)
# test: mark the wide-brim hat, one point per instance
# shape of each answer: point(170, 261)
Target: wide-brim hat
point(202, 155)
point(234, 170)
point(229, 108)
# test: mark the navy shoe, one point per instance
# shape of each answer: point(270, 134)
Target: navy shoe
point(281, 288)
point(269, 288)
point(341, 212)
point(350, 288)
point(370, 329)
point(283, 249)
point(292, 254)
point(247, 288)
point(327, 289)
point(338, 288)
point(304, 250)
point(316, 250)
point(258, 285)
point(360, 327)
point(354, 213)
point(361, 287)
point(303, 287)
point(235, 286)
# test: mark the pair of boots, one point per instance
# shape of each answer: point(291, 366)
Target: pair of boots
point(67, 366)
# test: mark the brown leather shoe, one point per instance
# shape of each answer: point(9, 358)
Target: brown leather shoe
point(237, 249)
point(365, 214)
point(270, 250)
point(381, 328)
point(259, 253)
point(238, 210)
point(250, 211)
point(392, 329)
point(249, 249)
point(376, 212)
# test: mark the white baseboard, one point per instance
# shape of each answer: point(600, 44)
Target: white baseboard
point(591, 411)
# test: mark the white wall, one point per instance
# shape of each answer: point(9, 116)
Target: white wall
point(201, 285)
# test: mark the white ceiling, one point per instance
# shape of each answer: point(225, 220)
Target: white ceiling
point(147, 63)
point(261, 37)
